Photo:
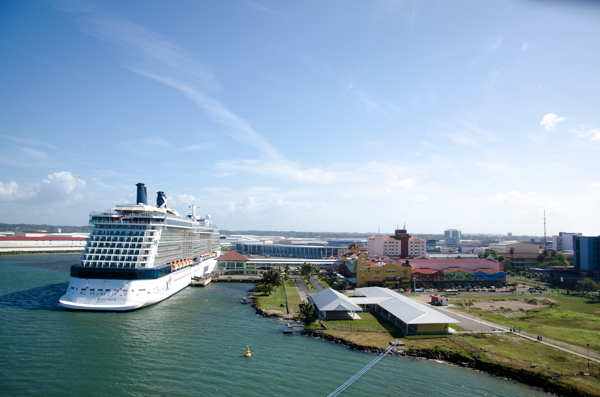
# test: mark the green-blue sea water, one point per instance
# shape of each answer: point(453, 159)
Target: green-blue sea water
point(189, 345)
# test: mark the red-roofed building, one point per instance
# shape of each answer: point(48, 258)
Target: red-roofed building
point(232, 256)
point(234, 263)
point(427, 275)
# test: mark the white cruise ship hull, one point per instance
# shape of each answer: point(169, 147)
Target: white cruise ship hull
point(123, 295)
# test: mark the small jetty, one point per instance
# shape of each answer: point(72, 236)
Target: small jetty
point(200, 281)
point(292, 327)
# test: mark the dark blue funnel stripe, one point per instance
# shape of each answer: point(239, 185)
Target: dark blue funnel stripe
point(142, 197)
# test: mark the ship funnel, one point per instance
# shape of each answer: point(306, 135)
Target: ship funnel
point(142, 197)
point(161, 200)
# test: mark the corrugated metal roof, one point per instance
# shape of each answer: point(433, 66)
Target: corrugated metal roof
point(404, 308)
point(329, 299)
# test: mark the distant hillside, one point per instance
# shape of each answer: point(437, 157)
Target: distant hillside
point(351, 235)
point(23, 227)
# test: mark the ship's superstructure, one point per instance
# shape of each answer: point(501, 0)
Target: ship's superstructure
point(137, 255)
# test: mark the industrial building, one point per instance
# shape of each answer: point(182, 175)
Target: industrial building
point(44, 243)
point(233, 263)
point(333, 305)
point(317, 250)
point(411, 317)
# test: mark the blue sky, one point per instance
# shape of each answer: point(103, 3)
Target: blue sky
point(324, 116)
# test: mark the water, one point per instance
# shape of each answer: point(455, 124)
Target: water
point(188, 345)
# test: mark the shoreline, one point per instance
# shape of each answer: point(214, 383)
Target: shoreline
point(530, 378)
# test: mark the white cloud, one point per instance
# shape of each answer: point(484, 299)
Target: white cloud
point(9, 191)
point(33, 154)
point(147, 46)
point(470, 134)
point(495, 43)
point(58, 186)
point(550, 120)
point(236, 127)
point(61, 185)
point(26, 141)
point(258, 6)
point(179, 70)
point(282, 169)
point(171, 146)
point(592, 135)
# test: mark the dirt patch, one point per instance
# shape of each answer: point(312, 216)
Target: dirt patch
point(513, 308)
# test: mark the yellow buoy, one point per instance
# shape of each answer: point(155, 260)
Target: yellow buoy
point(247, 352)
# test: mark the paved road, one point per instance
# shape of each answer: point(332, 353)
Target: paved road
point(316, 283)
point(302, 289)
point(468, 323)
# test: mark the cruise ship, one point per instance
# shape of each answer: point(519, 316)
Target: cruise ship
point(138, 255)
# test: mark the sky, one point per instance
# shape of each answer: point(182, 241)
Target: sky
point(347, 116)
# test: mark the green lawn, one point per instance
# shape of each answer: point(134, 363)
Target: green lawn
point(573, 319)
point(367, 323)
point(278, 297)
point(293, 297)
point(275, 301)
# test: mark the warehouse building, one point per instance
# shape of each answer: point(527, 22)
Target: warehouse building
point(333, 305)
point(22, 244)
point(411, 317)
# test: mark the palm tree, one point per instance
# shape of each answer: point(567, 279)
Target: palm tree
point(306, 312)
point(272, 277)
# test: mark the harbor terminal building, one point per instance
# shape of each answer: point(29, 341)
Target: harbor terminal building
point(315, 250)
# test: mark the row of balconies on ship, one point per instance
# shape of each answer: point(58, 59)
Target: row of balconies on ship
point(109, 251)
point(113, 264)
point(115, 258)
point(116, 239)
point(119, 244)
point(122, 233)
point(127, 221)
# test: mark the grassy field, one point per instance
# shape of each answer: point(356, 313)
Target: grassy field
point(279, 297)
point(504, 349)
point(518, 353)
point(572, 319)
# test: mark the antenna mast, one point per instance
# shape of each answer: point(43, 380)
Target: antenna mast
point(545, 243)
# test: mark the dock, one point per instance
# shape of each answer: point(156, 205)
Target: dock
point(200, 281)
point(238, 278)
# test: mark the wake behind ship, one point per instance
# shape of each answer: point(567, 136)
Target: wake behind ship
point(138, 255)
